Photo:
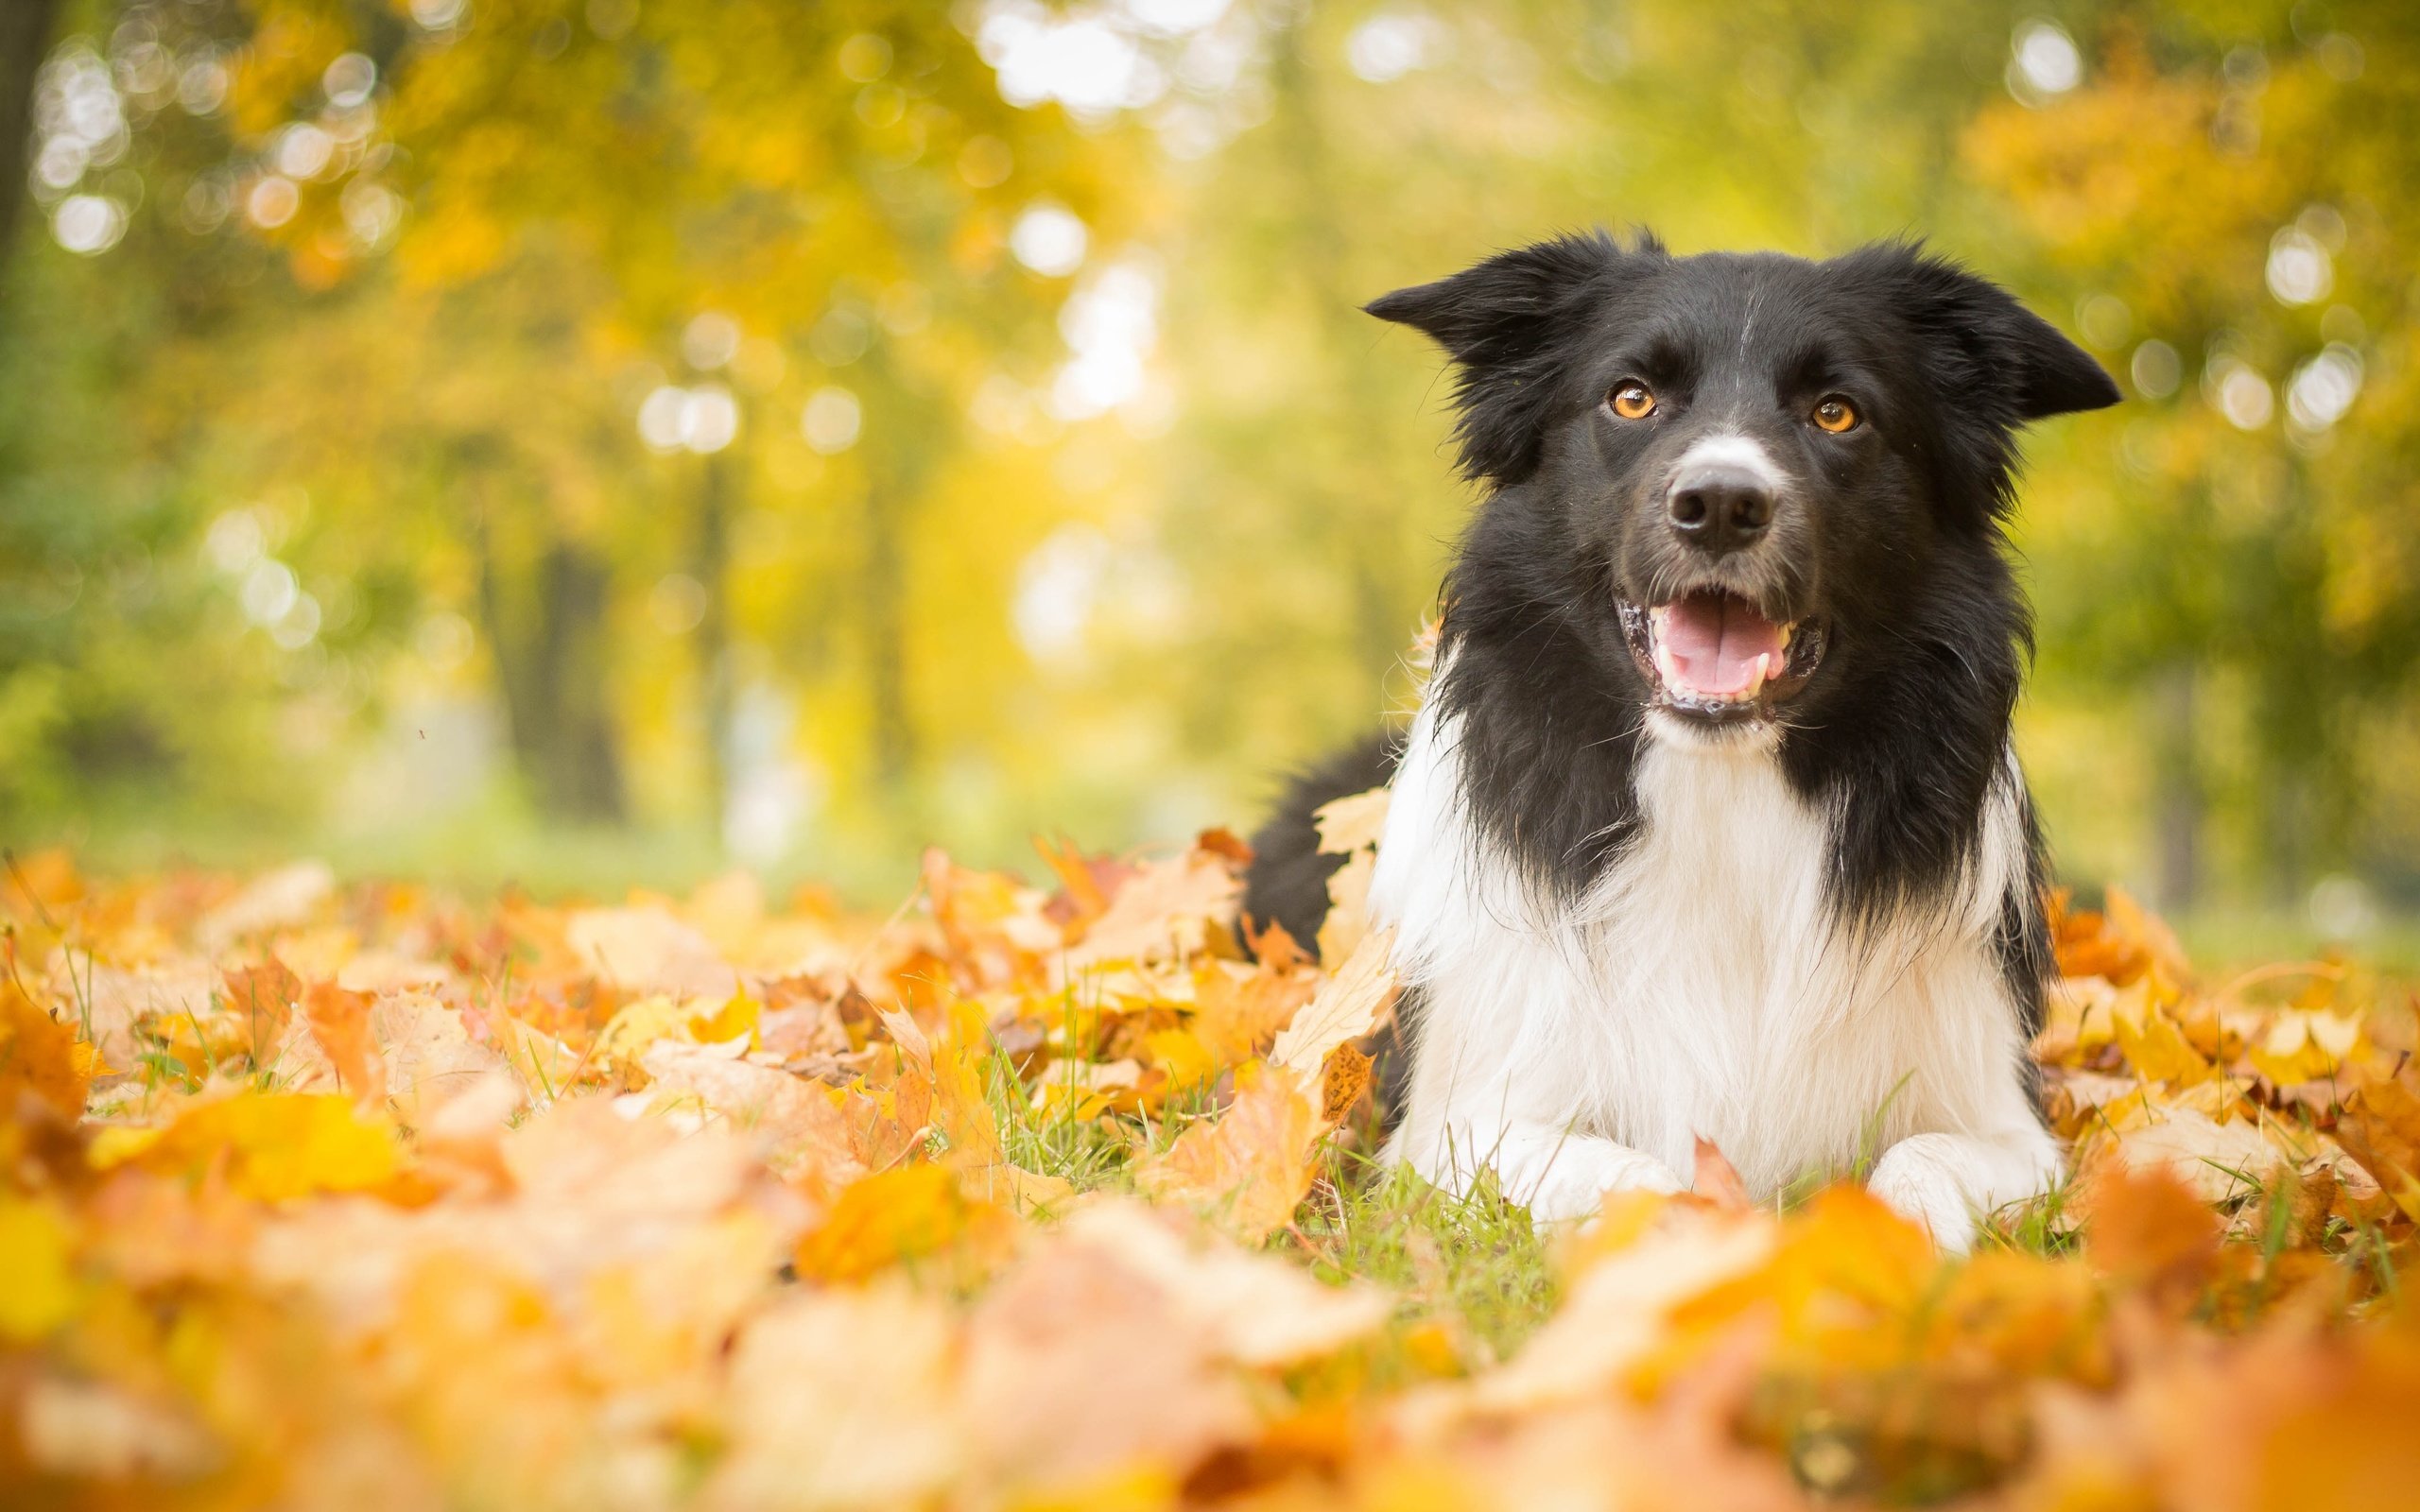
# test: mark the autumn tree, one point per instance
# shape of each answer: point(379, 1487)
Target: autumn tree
point(2222, 202)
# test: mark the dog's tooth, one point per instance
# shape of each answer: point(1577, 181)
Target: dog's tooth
point(1757, 678)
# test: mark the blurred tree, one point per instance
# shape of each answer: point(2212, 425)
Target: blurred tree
point(24, 41)
point(756, 195)
point(962, 414)
point(2224, 202)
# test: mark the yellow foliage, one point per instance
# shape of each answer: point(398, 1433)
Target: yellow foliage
point(914, 1214)
point(1251, 1166)
point(37, 1282)
point(270, 1146)
point(40, 1055)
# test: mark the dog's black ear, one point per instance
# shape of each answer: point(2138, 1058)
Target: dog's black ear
point(1986, 346)
point(1499, 322)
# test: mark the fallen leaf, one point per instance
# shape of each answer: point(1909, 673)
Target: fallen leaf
point(2219, 1161)
point(39, 1056)
point(1251, 1167)
point(37, 1284)
point(271, 1147)
point(2147, 1227)
point(1162, 913)
point(1717, 1180)
point(1079, 1364)
point(914, 1215)
point(1353, 823)
point(1352, 1003)
point(1347, 924)
point(806, 1134)
point(340, 1022)
point(273, 901)
point(1252, 1309)
point(648, 950)
point(842, 1400)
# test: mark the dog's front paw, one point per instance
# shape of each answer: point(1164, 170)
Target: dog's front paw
point(1924, 1177)
point(1568, 1178)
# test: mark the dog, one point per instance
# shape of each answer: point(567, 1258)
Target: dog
point(1709, 826)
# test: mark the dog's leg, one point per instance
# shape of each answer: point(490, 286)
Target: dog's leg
point(1557, 1175)
point(1560, 1176)
point(1947, 1181)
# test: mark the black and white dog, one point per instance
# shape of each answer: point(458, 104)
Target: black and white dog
point(1709, 823)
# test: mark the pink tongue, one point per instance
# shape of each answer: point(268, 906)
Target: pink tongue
point(1715, 640)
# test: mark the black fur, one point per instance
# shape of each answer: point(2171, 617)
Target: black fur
point(1889, 537)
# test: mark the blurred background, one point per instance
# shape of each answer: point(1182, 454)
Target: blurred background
point(593, 440)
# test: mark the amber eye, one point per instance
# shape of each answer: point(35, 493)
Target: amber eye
point(1632, 400)
point(1834, 415)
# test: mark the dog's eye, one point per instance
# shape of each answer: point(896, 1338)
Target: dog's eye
point(1632, 400)
point(1834, 415)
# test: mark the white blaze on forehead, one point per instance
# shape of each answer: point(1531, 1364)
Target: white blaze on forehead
point(1729, 448)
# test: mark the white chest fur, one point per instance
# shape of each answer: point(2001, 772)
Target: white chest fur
point(1703, 989)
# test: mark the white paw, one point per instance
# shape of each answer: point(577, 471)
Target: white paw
point(1568, 1178)
point(1923, 1176)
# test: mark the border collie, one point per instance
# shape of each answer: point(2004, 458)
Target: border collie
point(1709, 826)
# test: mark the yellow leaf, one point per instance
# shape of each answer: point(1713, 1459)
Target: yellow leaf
point(1347, 924)
point(37, 1284)
point(39, 1055)
point(273, 1146)
point(1251, 1166)
point(1350, 1005)
point(636, 1025)
point(1182, 1054)
point(1350, 824)
point(2155, 1044)
point(737, 1017)
point(900, 1217)
point(2305, 1046)
point(340, 1022)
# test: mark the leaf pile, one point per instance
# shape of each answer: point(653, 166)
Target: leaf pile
point(320, 1195)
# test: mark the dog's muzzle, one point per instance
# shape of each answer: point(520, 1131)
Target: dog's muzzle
point(1714, 655)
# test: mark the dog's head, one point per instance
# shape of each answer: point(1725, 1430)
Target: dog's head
point(1741, 467)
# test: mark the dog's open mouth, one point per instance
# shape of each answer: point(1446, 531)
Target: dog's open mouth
point(1715, 655)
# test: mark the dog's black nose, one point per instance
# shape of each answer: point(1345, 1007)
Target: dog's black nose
point(1720, 507)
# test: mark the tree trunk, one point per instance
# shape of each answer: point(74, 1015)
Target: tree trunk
point(888, 500)
point(900, 422)
point(714, 635)
point(24, 41)
point(553, 671)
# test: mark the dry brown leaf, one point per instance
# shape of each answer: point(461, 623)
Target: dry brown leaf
point(806, 1134)
point(1347, 924)
point(1248, 1168)
point(1350, 1005)
point(2381, 1129)
point(1163, 912)
point(2219, 1161)
point(1057, 1393)
point(842, 1400)
point(1355, 823)
point(340, 1022)
point(283, 898)
point(40, 1055)
point(648, 950)
point(427, 1055)
point(1717, 1180)
point(1253, 1310)
point(2148, 1225)
point(1618, 1310)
